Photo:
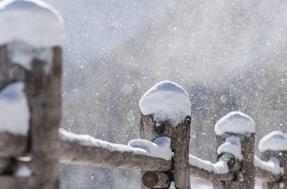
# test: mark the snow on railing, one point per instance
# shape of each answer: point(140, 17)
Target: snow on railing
point(31, 143)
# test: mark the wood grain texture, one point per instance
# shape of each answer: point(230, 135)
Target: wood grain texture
point(43, 92)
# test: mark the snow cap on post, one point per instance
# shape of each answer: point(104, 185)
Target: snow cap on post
point(30, 21)
point(274, 141)
point(166, 101)
point(235, 122)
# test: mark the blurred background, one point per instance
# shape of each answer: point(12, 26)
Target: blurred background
point(229, 55)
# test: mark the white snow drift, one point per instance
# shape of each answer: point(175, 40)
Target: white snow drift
point(166, 101)
point(274, 141)
point(272, 165)
point(235, 122)
point(30, 21)
point(14, 110)
point(232, 145)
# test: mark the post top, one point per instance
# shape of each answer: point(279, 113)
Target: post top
point(274, 141)
point(166, 101)
point(30, 21)
point(235, 122)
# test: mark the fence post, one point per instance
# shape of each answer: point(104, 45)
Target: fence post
point(165, 111)
point(273, 146)
point(35, 46)
point(241, 126)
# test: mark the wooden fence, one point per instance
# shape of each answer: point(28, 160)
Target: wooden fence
point(30, 160)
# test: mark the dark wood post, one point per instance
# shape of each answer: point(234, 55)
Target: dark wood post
point(44, 96)
point(273, 146)
point(239, 125)
point(32, 54)
point(152, 127)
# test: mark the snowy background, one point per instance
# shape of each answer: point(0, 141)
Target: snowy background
point(229, 55)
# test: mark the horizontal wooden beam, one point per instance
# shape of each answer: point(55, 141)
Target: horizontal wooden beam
point(266, 175)
point(10, 182)
point(81, 149)
point(87, 150)
point(211, 171)
point(75, 150)
point(12, 145)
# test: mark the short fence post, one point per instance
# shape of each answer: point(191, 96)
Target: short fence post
point(165, 111)
point(34, 46)
point(241, 126)
point(273, 146)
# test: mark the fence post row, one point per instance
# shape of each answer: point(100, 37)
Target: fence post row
point(32, 55)
point(237, 129)
point(165, 111)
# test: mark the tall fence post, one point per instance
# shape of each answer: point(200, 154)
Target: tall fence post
point(240, 126)
point(165, 111)
point(32, 42)
point(273, 147)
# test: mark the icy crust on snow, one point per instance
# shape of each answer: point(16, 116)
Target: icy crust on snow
point(160, 148)
point(235, 122)
point(232, 145)
point(14, 110)
point(274, 141)
point(273, 165)
point(23, 54)
point(166, 101)
point(219, 167)
point(30, 21)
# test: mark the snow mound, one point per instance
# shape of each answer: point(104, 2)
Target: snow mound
point(274, 141)
point(166, 101)
point(14, 110)
point(235, 122)
point(30, 21)
point(232, 145)
point(273, 165)
point(160, 147)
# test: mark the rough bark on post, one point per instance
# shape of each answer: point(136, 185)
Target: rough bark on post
point(158, 120)
point(273, 147)
point(44, 96)
point(32, 54)
point(242, 127)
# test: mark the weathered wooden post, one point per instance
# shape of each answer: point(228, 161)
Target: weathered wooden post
point(239, 129)
point(165, 111)
point(31, 35)
point(273, 147)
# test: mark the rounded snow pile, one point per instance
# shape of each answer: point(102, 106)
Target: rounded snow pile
point(274, 141)
point(166, 101)
point(30, 21)
point(235, 122)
